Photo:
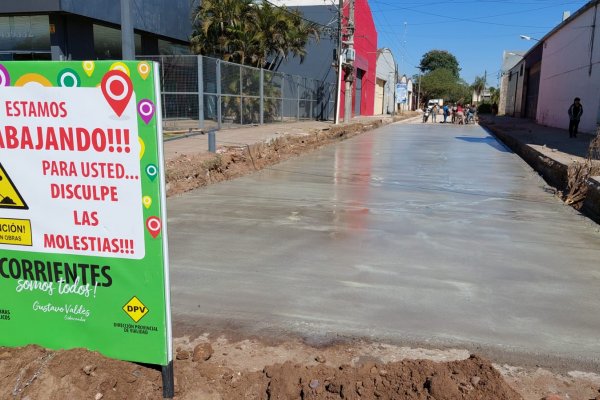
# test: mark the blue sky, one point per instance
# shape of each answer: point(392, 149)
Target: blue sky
point(475, 31)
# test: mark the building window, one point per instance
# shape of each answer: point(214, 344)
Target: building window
point(169, 48)
point(521, 70)
point(25, 33)
point(107, 43)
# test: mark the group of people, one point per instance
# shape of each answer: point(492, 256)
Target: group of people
point(456, 112)
point(465, 115)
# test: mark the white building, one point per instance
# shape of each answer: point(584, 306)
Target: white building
point(564, 64)
point(485, 96)
point(571, 68)
point(509, 60)
point(385, 82)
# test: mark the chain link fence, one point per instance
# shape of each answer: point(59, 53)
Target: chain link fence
point(201, 92)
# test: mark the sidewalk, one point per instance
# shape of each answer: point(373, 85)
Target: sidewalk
point(197, 142)
point(549, 151)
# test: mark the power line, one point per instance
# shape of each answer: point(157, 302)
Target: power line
point(299, 15)
point(401, 49)
point(571, 70)
point(446, 17)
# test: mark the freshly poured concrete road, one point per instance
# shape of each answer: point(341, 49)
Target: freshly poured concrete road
point(415, 233)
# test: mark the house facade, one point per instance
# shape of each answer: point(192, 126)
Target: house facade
point(90, 29)
point(509, 60)
point(385, 84)
point(571, 68)
point(564, 64)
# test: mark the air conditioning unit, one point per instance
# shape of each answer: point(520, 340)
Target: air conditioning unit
point(350, 54)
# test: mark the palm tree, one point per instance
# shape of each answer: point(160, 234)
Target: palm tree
point(220, 29)
point(478, 86)
point(494, 95)
point(244, 32)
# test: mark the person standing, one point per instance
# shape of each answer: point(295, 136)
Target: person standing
point(460, 115)
point(445, 109)
point(434, 111)
point(494, 109)
point(575, 112)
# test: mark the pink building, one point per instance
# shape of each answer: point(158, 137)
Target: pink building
point(365, 64)
point(319, 60)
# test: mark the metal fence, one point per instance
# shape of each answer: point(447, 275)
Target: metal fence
point(200, 92)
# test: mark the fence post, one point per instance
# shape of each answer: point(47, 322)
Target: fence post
point(298, 101)
point(313, 101)
point(162, 84)
point(218, 79)
point(262, 96)
point(200, 93)
point(241, 97)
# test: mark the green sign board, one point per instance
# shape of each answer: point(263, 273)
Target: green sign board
point(83, 253)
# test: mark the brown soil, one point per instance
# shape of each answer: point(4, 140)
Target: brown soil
point(216, 369)
point(35, 373)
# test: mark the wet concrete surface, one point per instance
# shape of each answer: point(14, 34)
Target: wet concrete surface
point(413, 233)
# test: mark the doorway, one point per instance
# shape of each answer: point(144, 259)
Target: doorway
point(358, 91)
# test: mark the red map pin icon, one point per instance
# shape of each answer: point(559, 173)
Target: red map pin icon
point(154, 226)
point(117, 89)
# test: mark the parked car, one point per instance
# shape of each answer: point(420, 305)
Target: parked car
point(439, 102)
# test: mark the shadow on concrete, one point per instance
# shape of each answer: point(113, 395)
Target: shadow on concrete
point(489, 140)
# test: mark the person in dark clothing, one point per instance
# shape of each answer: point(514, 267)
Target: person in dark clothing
point(575, 112)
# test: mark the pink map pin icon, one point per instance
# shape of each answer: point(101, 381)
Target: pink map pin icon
point(146, 110)
point(154, 225)
point(117, 90)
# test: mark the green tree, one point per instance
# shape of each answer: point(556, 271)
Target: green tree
point(494, 95)
point(439, 59)
point(461, 92)
point(437, 84)
point(442, 84)
point(245, 32)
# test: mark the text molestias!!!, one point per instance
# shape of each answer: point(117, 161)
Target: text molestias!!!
point(64, 139)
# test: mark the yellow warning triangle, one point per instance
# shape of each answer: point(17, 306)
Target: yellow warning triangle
point(9, 195)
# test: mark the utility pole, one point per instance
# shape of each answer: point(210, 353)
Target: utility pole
point(419, 90)
point(349, 66)
point(394, 89)
point(338, 87)
point(484, 81)
point(127, 39)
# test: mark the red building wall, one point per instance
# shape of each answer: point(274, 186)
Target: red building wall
point(365, 44)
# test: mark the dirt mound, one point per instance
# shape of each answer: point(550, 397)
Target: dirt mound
point(473, 378)
point(32, 372)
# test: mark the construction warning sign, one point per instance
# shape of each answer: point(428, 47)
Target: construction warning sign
point(9, 195)
point(15, 232)
point(82, 208)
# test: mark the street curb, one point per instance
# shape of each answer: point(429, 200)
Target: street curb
point(554, 172)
